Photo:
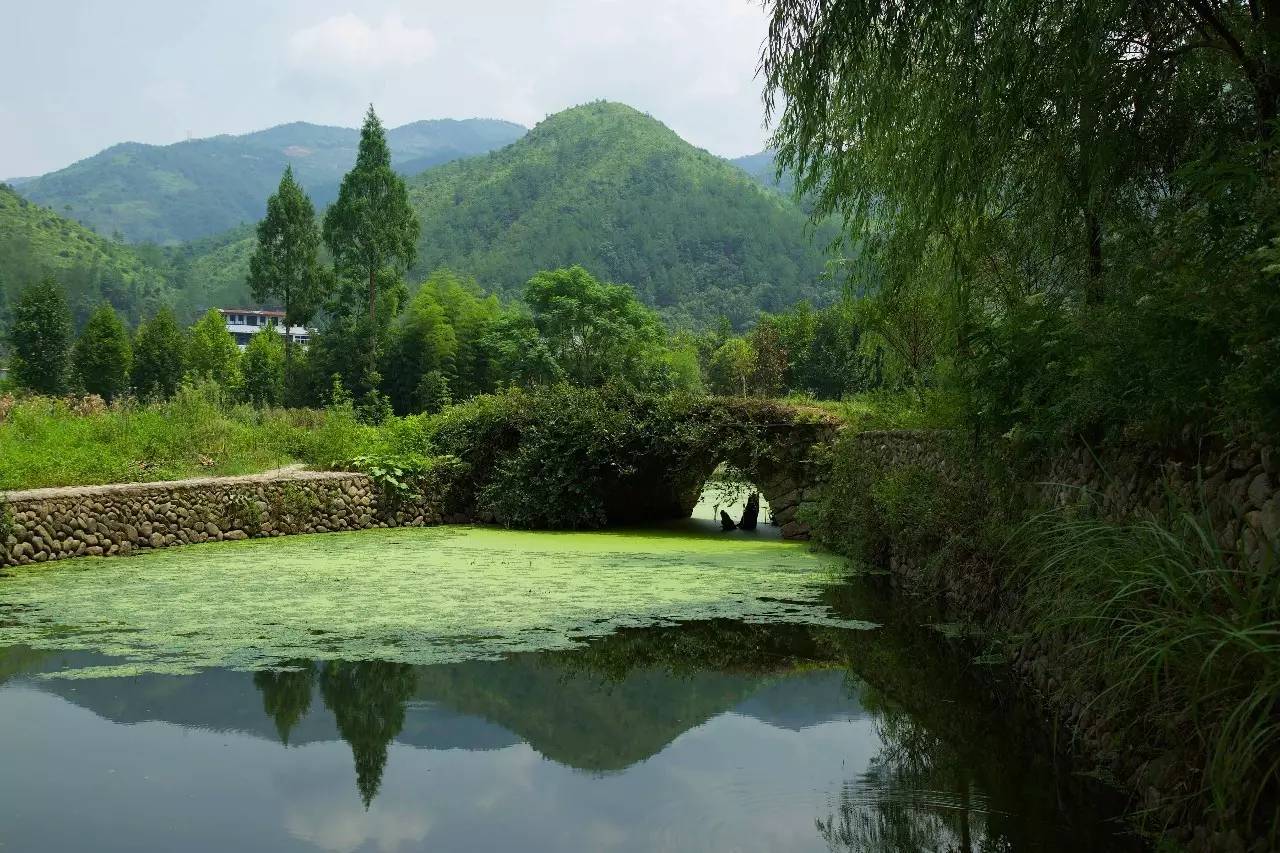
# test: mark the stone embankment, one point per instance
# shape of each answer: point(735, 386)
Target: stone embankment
point(54, 524)
point(1235, 487)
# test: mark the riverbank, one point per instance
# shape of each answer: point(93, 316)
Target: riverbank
point(1133, 591)
point(41, 525)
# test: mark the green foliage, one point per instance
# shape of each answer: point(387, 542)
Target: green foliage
point(371, 225)
point(594, 331)
point(6, 523)
point(159, 357)
point(47, 442)
point(168, 194)
point(262, 369)
point(731, 367)
point(423, 342)
point(606, 187)
point(396, 478)
point(1176, 642)
point(40, 337)
point(243, 510)
point(934, 513)
point(432, 392)
point(103, 356)
point(36, 243)
point(472, 316)
point(1075, 264)
point(285, 268)
point(212, 352)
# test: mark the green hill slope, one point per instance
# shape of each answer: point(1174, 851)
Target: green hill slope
point(763, 167)
point(35, 242)
point(188, 190)
point(618, 192)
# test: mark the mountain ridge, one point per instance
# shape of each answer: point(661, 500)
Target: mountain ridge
point(196, 188)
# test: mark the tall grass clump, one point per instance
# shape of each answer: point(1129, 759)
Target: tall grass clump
point(47, 441)
point(1178, 641)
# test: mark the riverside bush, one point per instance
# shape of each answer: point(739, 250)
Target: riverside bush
point(1176, 642)
point(572, 457)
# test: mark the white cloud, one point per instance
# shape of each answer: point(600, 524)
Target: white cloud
point(348, 43)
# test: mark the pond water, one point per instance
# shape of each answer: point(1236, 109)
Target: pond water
point(474, 689)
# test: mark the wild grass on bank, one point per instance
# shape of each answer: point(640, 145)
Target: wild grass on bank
point(921, 409)
point(1177, 640)
point(63, 442)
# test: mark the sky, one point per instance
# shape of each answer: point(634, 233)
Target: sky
point(81, 75)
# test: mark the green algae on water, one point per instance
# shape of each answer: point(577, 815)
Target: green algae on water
point(417, 596)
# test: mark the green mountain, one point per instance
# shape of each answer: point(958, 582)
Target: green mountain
point(615, 190)
point(36, 241)
point(763, 167)
point(172, 193)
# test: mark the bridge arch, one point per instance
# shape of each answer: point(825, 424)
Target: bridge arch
point(778, 447)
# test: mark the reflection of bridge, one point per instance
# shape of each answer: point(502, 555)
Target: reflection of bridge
point(776, 446)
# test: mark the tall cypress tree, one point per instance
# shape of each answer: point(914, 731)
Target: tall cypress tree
point(40, 337)
point(284, 265)
point(103, 356)
point(371, 225)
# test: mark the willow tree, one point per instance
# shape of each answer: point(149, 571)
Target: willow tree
point(1012, 135)
point(372, 226)
point(284, 266)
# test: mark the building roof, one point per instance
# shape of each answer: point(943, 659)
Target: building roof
point(268, 312)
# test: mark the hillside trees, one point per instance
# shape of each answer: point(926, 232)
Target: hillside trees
point(39, 338)
point(102, 356)
point(159, 357)
point(285, 266)
point(262, 369)
point(371, 226)
point(211, 350)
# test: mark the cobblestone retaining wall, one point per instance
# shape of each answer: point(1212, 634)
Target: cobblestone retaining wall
point(53, 524)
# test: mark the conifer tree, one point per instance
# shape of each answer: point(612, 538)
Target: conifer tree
point(159, 356)
point(40, 337)
point(102, 355)
point(371, 225)
point(284, 267)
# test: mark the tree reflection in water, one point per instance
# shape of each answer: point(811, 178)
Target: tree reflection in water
point(915, 797)
point(286, 694)
point(367, 700)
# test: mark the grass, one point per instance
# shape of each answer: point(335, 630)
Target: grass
point(924, 409)
point(55, 442)
point(1178, 640)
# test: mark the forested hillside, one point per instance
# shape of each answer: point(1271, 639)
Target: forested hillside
point(616, 191)
point(194, 189)
point(763, 166)
point(36, 242)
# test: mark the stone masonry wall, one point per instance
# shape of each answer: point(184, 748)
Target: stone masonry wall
point(1239, 483)
point(53, 524)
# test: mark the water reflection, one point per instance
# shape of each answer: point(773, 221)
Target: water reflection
point(916, 794)
point(704, 736)
point(367, 700)
point(286, 694)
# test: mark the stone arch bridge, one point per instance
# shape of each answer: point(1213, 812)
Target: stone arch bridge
point(779, 447)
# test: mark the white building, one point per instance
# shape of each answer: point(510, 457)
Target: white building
point(244, 323)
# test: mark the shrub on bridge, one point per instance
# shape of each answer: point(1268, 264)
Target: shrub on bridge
point(566, 456)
